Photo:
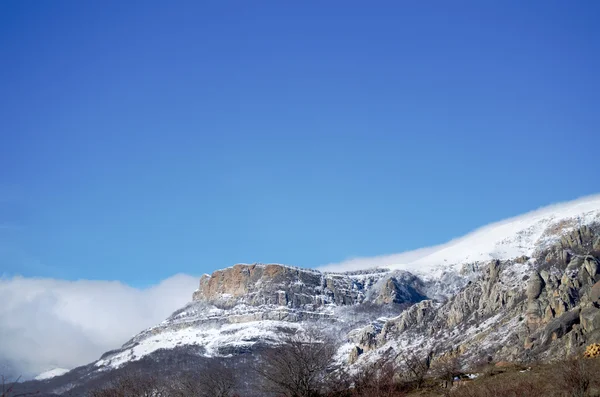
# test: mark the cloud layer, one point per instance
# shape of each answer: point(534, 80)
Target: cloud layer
point(48, 323)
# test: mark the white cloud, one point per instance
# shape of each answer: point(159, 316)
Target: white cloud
point(380, 260)
point(48, 323)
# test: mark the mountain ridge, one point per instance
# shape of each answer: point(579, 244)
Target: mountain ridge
point(539, 301)
point(582, 211)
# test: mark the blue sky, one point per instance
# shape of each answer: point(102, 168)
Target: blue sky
point(143, 139)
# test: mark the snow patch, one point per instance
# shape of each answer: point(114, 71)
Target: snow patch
point(52, 373)
point(212, 339)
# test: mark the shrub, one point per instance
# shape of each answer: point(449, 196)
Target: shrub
point(575, 377)
point(592, 351)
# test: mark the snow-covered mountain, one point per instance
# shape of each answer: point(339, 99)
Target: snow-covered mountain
point(249, 304)
point(246, 305)
point(524, 286)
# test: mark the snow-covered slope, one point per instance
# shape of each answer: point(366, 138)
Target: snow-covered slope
point(223, 340)
point(508, 239)
point(51, 374)
point(247, 306)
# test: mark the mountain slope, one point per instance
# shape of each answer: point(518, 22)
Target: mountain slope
point(523, 288)
point(245, 306)
point(551, 312)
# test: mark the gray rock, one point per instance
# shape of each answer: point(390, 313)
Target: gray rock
point(279, 285)
point(595, 293)
point(560, 326)
point(590, 319)
point(535, 286)
point(354, 353)
point(591, 266)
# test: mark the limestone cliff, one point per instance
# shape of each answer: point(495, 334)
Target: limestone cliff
point(273, 284)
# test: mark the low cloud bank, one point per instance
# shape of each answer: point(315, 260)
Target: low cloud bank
point(48, 323)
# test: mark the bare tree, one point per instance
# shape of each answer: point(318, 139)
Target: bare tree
point(133, 385)
point(8, 389)
point(378, 379)
point(576, 376)
point(300, 367)
point(216, 380)
point(416, 367)
point(446, 368)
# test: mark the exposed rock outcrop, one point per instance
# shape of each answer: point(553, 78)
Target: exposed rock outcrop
point(278, 285)
point(548, 308)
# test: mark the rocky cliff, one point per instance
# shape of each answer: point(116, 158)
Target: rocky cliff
point(247, 306)
point(274, 284)
point(543, 307)
point(278, 285)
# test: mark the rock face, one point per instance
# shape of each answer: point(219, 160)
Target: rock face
point(279, 285)
point(247, 306)
point(272, 284)
point(582, 241)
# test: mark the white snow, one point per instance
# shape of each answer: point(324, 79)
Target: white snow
point(507, 239)
point(52, 373)
point(211, 338)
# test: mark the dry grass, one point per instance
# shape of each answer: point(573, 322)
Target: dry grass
point(572, 378)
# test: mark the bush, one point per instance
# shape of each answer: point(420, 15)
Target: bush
point(575, 377)
point(500, 388)
point(300, 367)
point(378, 379)
point(592, 351)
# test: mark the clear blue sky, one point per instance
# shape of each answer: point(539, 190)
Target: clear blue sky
point(141, 139)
